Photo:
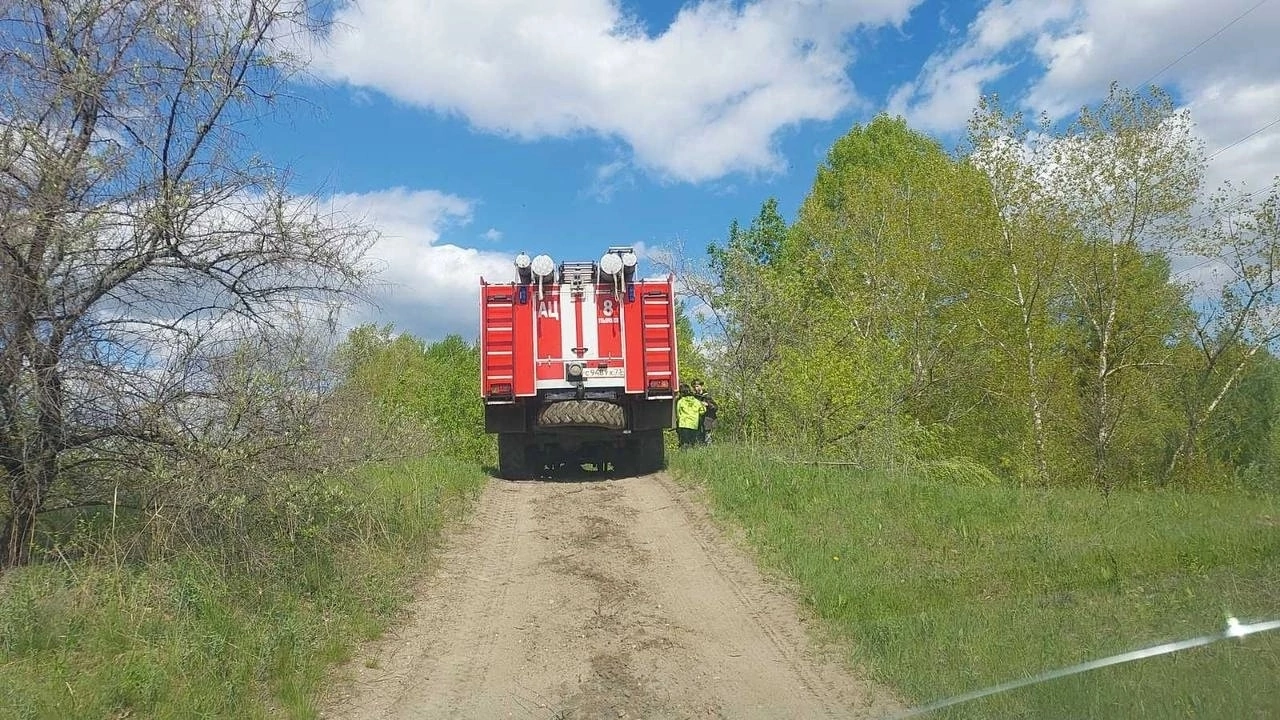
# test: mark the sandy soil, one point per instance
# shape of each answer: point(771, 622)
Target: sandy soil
point(615, 599)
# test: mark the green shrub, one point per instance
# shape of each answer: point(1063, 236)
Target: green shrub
point(212, 629)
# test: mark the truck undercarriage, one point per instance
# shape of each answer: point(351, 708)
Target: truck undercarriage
point(541, 439)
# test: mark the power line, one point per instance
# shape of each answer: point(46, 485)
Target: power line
point(1272, 123)
point(1224, 148)
point(1275, 184)
point(1246, 137)
point(1203, 42)
point(1238, 202)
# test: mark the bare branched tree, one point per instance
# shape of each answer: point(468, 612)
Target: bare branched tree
point(140, 239)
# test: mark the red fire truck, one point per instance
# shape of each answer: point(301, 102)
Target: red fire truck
point(578, 365)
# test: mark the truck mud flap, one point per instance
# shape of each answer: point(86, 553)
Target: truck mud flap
point(652, 415)
point(505, 419)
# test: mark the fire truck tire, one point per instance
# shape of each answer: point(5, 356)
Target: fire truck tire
point(583, 413)
point(513, 457)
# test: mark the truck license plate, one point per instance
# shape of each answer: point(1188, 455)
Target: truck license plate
point(595, 372)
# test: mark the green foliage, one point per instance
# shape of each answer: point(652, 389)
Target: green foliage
point(224, 581)
point(941, 582)
point(692, 363)
point(194, 635)
point(959, 471)
point(1244, 435)
point(761, 244)
point(1012, 306)
point(748, 301)
point(435, 384)
point(1231, 337)
point(847, 320)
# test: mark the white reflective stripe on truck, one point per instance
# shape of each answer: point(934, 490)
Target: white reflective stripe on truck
point(568, 325)
point(579, 320)
point(590, 318)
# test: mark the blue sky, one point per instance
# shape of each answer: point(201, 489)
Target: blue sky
point(468, 130)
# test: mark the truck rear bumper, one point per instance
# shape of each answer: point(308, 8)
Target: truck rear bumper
point(521, 417)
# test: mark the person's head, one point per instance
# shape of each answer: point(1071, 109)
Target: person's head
point(698, 387)
point(684, 389)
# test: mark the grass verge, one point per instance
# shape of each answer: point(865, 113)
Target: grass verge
point(941, 587)
point(191, 636)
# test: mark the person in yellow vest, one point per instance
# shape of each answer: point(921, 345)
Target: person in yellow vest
point(689, 411)
point(708, 413)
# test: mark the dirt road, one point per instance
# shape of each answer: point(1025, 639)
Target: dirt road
point(613, 599)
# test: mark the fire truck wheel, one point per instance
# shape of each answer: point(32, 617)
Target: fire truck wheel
point(583, 413)
point(513, 457)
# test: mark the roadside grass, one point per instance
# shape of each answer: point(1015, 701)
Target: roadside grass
point(191, 636)
point(940, 587)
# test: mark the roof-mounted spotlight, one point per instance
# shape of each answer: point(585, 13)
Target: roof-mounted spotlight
point(543, 267)
point(522, 267)
point(629, 261)
point(611, 263)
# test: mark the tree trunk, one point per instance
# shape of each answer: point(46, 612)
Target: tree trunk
point(1195, 422)
point(27, 492)
point(1101, 431)
point(1102, 409)
point(19, 533)
point(31, 478)
point(1035, 404)
point(1101, 400)
point(1184, 450)
point(1037, 430)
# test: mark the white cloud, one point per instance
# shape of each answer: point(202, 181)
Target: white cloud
point(1076, 48)
point(1229, 83)
point(1205, 276)
point(944, 94)
point(608, 178)
point(704, 98)
point(1130, 42)
point(426, 287)
point(492, 235)
point(1232, 117)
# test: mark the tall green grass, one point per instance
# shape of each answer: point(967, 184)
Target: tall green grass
point(941, 582)
point(190, 635)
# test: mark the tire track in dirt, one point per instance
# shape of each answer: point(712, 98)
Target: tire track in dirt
point(613, 599)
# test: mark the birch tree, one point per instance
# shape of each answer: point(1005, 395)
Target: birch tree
point(1242, 239)
point(1019, 274)
point(1127, 173)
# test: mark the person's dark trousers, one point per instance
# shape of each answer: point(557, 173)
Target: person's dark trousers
point(704, 430)
point(687, 436)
